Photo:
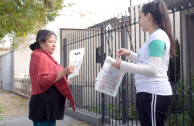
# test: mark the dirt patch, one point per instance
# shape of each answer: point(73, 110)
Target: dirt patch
point(13, 104)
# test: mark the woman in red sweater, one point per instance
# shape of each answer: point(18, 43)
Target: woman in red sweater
point(48, 81)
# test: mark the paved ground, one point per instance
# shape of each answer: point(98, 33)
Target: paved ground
point(15, 112)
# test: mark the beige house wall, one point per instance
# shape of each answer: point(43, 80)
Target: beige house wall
point(186, 41)
point(4, 50)
point(64, 32)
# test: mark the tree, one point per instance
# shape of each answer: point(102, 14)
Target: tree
point(21, 18)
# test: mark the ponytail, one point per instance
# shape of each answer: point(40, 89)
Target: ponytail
point(166, 25)
point(160, 15)
point(34, 46)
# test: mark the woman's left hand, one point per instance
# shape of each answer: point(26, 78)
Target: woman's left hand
point(117, 64)
point(68, 82)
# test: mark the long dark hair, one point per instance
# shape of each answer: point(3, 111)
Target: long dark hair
point(42, 36)
point(159, 12)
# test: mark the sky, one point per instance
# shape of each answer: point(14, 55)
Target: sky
point(85, 13)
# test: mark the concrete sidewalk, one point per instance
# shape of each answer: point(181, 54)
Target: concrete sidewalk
point(22, 120)
point(15, 112)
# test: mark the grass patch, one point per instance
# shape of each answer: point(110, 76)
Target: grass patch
point(1, 117)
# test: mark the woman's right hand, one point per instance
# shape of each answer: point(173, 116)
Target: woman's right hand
point(68, 70)
point(123, 51)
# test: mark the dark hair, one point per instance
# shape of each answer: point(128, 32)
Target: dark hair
point(42, 36)
point(159, 12)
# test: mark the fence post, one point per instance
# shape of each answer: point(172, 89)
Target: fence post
point(65, 52)
point(102, 61)
point(65, 60)
point(123, 30)
point(1, 84)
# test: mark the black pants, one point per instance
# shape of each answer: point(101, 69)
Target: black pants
point(152, 108)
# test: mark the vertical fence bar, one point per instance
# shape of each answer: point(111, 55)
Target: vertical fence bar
point(87, 69)
point(174, 58)
point(83, 81)
point(189, 56)
point(78, 79)
point(102, 61)
point(114, 50)
point(182, 69)
point(124, 114)
point(100, 34)
point(119, 46)
point(139, 28)
point(96, 73)
point(115, 43)
point(132, 49)
point(135, 50)
point(110, 98)
point(105, 50)
point(93, 70)
point(65, 52)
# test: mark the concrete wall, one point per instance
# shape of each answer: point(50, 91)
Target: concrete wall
point(22, 86)
point(6, 71)
point(22, 60)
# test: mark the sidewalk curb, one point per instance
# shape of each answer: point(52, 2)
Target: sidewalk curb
point(91, 119)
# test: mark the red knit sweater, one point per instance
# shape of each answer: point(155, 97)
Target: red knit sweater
point(43, 73)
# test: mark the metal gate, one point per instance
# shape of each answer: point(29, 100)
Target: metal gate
point(105, 38)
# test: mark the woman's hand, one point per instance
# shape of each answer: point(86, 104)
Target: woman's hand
point(68, 82)
point(117, 64)
point(68, 70)
point(123, 51)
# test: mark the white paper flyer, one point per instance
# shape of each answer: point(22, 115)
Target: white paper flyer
point(109, 78)
point(76, 58)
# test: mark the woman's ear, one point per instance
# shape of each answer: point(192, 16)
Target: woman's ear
point(148, 16)
point(41, 44)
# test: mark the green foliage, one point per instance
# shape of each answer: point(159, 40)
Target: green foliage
point(115, 111)
point(174, 63)
point(182, 98)
point(132, 112)
point(0, 112)
point(24, 17)
point(179, 120)
point(181, 103)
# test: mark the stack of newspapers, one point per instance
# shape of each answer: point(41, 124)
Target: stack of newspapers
point(109, 78)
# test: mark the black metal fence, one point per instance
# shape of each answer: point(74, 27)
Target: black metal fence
point(105, 38)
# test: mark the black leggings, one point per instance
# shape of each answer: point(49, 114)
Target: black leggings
point(152, 108)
